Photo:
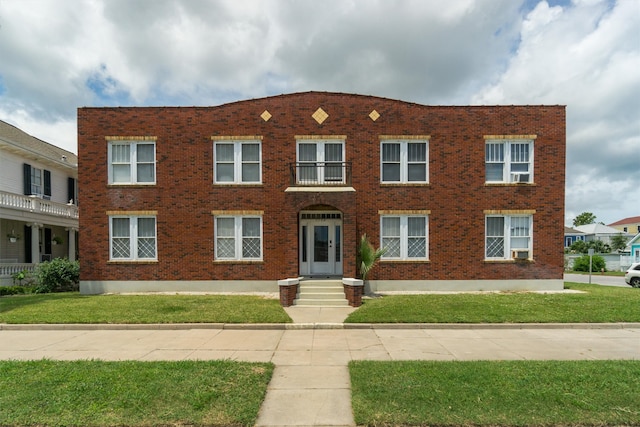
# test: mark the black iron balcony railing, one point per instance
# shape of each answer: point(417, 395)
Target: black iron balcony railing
point(320, 173)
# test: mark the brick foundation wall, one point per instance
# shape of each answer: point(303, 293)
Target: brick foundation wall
point(456, 195)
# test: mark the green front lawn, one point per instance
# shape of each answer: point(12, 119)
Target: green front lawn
point(94, 393)
point(508, 393)
point(76, 308)
point(598, 304)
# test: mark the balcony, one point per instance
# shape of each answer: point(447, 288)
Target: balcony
point(37, 205)
point(313, 174)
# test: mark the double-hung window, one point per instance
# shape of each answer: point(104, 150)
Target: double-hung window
point(132, 162)
point(508, 236)
point(405, 237)
point(238, 237)
point(132, 237)
point(404, 161)
point(509, 161)
point(237, 162)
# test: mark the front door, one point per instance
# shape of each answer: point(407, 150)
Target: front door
point(320, 245)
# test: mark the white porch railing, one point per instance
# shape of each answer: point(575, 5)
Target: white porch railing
point(37, 205)
point(6, 270)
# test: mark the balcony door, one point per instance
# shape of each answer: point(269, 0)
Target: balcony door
point(320, 162)
point(321, 244)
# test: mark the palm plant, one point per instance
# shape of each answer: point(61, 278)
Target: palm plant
point(368, 256)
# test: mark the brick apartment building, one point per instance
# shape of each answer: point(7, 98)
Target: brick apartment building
point(239, 196)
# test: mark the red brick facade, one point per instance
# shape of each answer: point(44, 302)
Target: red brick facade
point(457, 197)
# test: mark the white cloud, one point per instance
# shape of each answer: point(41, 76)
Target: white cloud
point(57, 56)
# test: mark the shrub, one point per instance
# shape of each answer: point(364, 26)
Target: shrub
point(58, 275)
point(16, 290)
point(582, 263)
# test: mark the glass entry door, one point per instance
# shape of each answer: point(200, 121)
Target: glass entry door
point(321, 247)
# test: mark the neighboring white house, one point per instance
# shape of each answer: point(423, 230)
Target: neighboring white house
point(38, 202)
point(601, 232)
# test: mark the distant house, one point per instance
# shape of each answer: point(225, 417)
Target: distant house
point(633, 247)
point(601, 232)
point(572, 235)
point(629, 225)
point(38, 202)
point(238, 197)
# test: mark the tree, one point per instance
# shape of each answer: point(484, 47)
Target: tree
point(584, 218)
point(368, 256)
point(579, 247)
point(618, 242)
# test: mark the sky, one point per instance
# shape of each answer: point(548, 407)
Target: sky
point(58, 55)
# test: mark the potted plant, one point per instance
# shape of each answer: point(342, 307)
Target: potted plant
point(13, 237)
point(56, 240)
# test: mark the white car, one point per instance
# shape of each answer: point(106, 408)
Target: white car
point(632, 277)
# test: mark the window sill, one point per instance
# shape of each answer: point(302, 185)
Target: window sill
point(406, 261)
point(238, 184)
point(510, 184)
point(132, 185)
point(509, 261)
point(405, 184)
point(237, 261)
point(132, 261)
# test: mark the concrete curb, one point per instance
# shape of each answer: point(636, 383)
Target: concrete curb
point(302, 326)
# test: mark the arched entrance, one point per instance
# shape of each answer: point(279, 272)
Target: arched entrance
point(320, 243)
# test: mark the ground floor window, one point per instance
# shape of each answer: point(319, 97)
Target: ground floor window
point(508, 237)
point(405, 237)
point(238, 237)
point(133, 237)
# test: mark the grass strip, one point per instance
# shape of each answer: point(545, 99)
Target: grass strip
point(598, 304)
point(95, 393)
point(76, 308)
point(489, 393)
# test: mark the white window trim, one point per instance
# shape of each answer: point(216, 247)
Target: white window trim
point(404, 238)
point(237, 238)
point(237, 161)
point(320, 157)
point(133, 238)
point(507, 176)
point(506, 234)
point(133, 164)
point(404, 160)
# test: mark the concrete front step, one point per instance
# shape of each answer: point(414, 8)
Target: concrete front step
point(305, 302)
point(321, 293)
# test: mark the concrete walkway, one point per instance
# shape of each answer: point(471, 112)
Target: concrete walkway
point(311, 385)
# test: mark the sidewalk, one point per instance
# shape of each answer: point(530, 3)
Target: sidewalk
point(311, 383)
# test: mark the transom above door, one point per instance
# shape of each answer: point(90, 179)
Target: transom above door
point(320, 243)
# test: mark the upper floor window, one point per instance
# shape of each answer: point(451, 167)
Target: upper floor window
point(509, 161)
point(404, 161)
point(238, 237)
point(238, 162)
point(405, 237)
point(132, 162)
point(37, 182)
point(132, 237)
point(508, 236)
point(320, 162)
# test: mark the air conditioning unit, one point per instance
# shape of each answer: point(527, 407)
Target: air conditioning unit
point(519, 177)
point(520, 254)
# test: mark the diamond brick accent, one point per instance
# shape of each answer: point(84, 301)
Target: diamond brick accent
point(266, 115)
point(320, 116)
point(374, 115)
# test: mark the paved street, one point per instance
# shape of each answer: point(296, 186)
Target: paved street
point(596, 279)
